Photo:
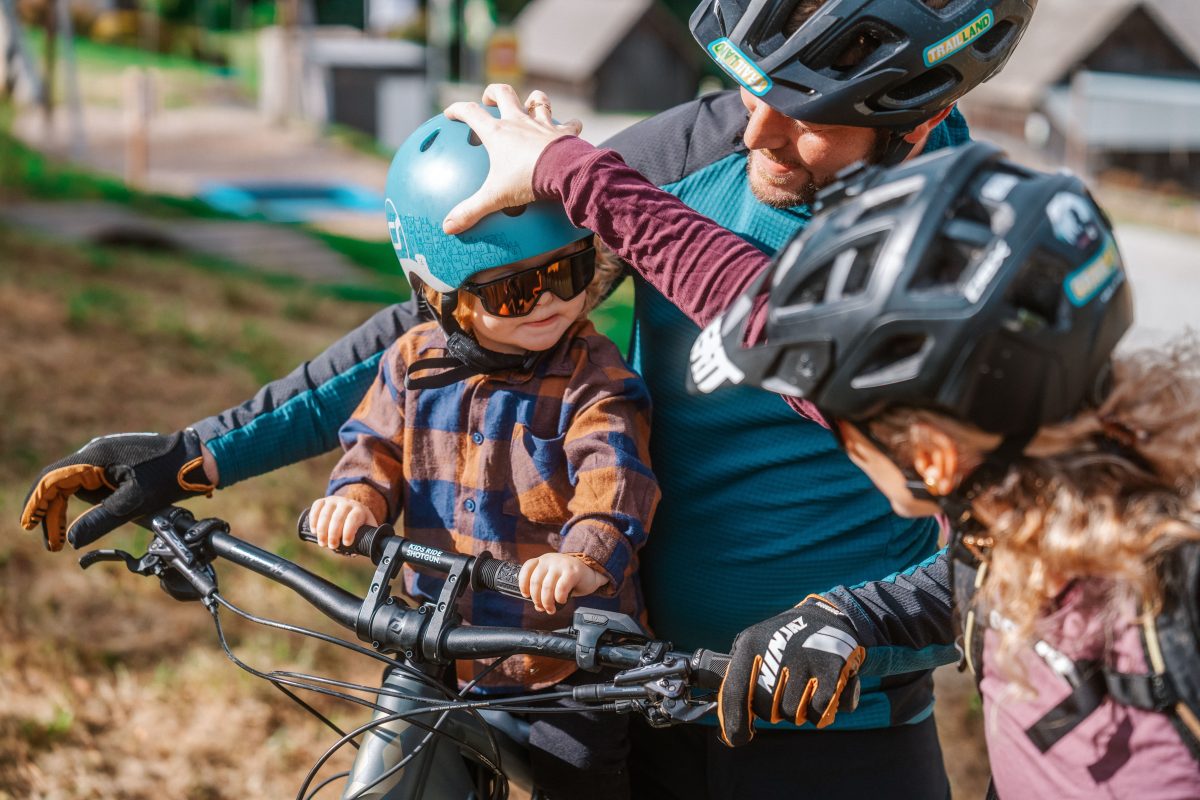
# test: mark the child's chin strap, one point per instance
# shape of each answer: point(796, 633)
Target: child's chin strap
point(466, 357)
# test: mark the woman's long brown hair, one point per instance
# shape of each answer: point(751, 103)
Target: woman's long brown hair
point(1101, 496)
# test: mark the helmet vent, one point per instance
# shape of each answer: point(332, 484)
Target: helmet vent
point(995, 40)
point(795, 87)
point(944, 267)
point(474, 140)
point(812, 291)
point(924, 87)
point(1037, 293)
point(897, 360)
point(515, 211)
point(843, 277)
point(427, 142)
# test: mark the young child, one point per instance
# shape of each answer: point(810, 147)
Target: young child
point(507, 425)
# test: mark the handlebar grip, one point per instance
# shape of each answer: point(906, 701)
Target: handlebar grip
point(499, 576)
point(365, 539)
point(708, 668)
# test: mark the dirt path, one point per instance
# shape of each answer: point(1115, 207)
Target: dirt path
point(193, 147)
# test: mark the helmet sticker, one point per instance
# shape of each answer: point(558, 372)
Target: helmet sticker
point(395, 229)
point(711, 367)
point(739, 66)
point(1074, 220)
point(960, 38)
point(1093, 277)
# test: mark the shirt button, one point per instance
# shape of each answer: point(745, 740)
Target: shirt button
point(469, 505)
point(477, 437)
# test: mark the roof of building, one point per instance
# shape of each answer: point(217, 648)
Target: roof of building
point(1064, 32)
point(571, 39)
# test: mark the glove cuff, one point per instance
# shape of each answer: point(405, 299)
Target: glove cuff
point(191, 476)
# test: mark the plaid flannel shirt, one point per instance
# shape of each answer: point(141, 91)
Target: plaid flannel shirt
point(517, 463)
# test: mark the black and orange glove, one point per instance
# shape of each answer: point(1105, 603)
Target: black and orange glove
point(795, 666)
point(124, 476)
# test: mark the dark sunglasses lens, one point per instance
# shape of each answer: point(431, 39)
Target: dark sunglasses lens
point(513, 296)
point(517, 294)
point(570, 276)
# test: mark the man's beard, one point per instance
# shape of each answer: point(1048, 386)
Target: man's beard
point(772, 193)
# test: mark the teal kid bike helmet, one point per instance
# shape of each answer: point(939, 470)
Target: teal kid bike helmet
point(441, 164)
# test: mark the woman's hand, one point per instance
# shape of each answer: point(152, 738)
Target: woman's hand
point(514, 143)
point(336, 520)
point(553, 578)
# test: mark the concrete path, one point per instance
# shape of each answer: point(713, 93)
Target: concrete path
point(264, 247)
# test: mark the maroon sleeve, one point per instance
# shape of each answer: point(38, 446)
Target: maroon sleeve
point(697, 265)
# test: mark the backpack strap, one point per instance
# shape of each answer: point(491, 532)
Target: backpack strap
point(1153, 691)
point(1086, 696)
point(1182, 703)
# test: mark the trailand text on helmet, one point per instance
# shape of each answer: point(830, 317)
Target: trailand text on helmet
point(439, 165)
point(873, 63)
point(957, 281)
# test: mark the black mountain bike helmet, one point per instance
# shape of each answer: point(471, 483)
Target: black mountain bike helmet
point(871, 63)
point(957, 281)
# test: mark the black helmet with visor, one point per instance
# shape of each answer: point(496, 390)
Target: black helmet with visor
point(958, 282)
point(870, 63)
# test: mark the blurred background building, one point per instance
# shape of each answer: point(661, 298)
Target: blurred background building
point(1104, 86)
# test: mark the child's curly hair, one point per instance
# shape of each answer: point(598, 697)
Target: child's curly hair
point(1102, 495)
point(608, 270)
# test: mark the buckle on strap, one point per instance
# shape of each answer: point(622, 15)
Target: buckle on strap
point(1149, 692)
point(1086, 697)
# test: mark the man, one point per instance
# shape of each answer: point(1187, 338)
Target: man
point(759, 508)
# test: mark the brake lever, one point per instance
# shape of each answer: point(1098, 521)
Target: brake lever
point(170, 559)
point(136, 565)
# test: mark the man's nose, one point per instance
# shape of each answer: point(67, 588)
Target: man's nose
point(766, 129)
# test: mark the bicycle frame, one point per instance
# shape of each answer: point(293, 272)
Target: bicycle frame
point(441, 771)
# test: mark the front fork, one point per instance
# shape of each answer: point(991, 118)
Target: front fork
point(439, 771)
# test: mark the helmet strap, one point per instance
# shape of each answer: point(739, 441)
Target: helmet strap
point(957, 505)
point(897, 149)
point(466, 357)
point(995, 465)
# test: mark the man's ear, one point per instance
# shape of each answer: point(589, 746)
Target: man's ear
point(919, 134)
point(935, 457)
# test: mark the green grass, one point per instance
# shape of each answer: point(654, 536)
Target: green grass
point(93, 56)
point(27, 173)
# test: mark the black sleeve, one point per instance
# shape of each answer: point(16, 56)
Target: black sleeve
point(298, 416)
point(674, 144)
point(911, 609)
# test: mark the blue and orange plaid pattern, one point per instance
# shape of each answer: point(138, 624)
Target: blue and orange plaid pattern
point(518, 464)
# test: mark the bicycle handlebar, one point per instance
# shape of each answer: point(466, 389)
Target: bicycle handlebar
point(401, 628)
point(491, 573)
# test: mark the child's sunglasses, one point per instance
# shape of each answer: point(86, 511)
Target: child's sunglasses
point(516, 295)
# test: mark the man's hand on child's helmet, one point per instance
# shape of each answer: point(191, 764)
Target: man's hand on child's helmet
point(336, 520)
point(795, 666)
point(514, 142)
point(124, 476)
point(552, 579)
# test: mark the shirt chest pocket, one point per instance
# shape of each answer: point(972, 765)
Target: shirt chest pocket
point(538, 481)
